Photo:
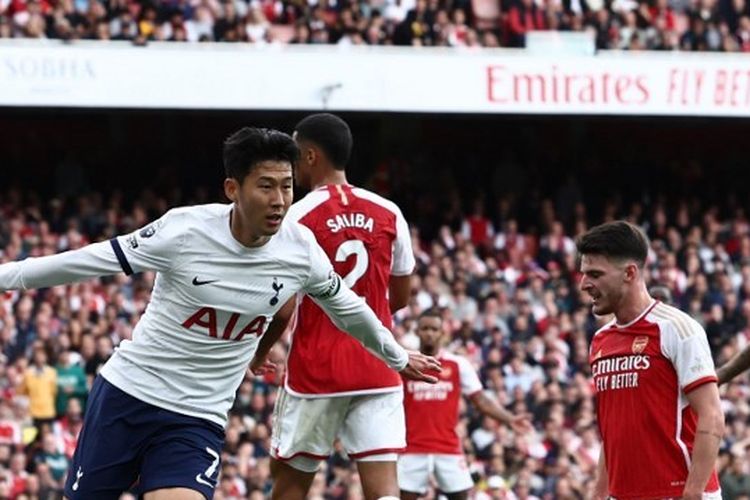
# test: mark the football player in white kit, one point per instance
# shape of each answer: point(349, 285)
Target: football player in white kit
point(157, 411)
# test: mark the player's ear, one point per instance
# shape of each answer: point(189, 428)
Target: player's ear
point(308, 155)
point(631, 272)
point(231, 187)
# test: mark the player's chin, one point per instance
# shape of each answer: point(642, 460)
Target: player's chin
point(272, 226)
point(600, 309)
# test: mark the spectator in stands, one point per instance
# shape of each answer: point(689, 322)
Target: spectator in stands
point(71, 382)
point(10, 429)
point(546, 374)
point(524, 16)
point(52, 465)
point(39, 383)
point(735, 481)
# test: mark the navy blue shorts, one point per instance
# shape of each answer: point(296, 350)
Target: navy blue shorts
point(126, 444)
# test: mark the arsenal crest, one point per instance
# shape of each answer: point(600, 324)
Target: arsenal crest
point(639, 344)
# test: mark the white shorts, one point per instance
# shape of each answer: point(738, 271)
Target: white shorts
point(450, 471)
point(370, 426)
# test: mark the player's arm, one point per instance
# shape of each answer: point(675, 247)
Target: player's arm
point(601, 482)
point(738, 364)
point(399, 291)
point(351, 314)
point(260, 363)
point(402, 266)
point(686, 345)
point(97, 259)
point(154, 247)
point(705, 402)
point(492, 409)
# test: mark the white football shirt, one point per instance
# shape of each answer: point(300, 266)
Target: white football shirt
point(212, 300)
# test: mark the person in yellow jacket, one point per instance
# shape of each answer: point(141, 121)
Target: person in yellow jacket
point(40, 385)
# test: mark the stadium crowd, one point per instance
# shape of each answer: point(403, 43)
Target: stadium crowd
point(508, 294)
point(691, 25)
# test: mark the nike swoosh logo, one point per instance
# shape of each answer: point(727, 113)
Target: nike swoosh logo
point(197, 282)
point(203, 481)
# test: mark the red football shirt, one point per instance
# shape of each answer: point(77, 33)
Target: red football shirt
point(642, 372)
point(432, 409)
point(367, 239)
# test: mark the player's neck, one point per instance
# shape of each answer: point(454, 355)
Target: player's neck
point(244, 235)
point(632, 307)
point(433, 351)
point(329, 176)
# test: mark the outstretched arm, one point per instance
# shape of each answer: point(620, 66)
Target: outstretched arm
point(738, 364)
point(155, 247)
point(93, 260)
point(490, 408)
point(351, 314)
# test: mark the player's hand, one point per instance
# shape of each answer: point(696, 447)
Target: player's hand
point(521, 424)
point(419, 364)
point(261, 366)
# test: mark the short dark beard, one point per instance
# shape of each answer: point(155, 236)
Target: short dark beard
point(428, 350)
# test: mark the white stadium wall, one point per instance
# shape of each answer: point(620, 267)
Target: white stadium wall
point(284, 77)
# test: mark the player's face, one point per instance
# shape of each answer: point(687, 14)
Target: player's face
point(430, 332)
point(263, 198)
point(604, 280)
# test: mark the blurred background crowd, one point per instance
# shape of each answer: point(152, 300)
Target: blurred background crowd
point(689, 25)
point(502, 269)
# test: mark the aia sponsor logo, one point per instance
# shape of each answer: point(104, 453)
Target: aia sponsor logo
point(639, 344)
point(205, 319)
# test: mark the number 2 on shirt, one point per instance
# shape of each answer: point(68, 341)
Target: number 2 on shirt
point(357, 248)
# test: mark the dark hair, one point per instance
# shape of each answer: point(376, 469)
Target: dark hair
point(247, 147)
point(615, 240)
point(431, 313)
point(331, 134)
